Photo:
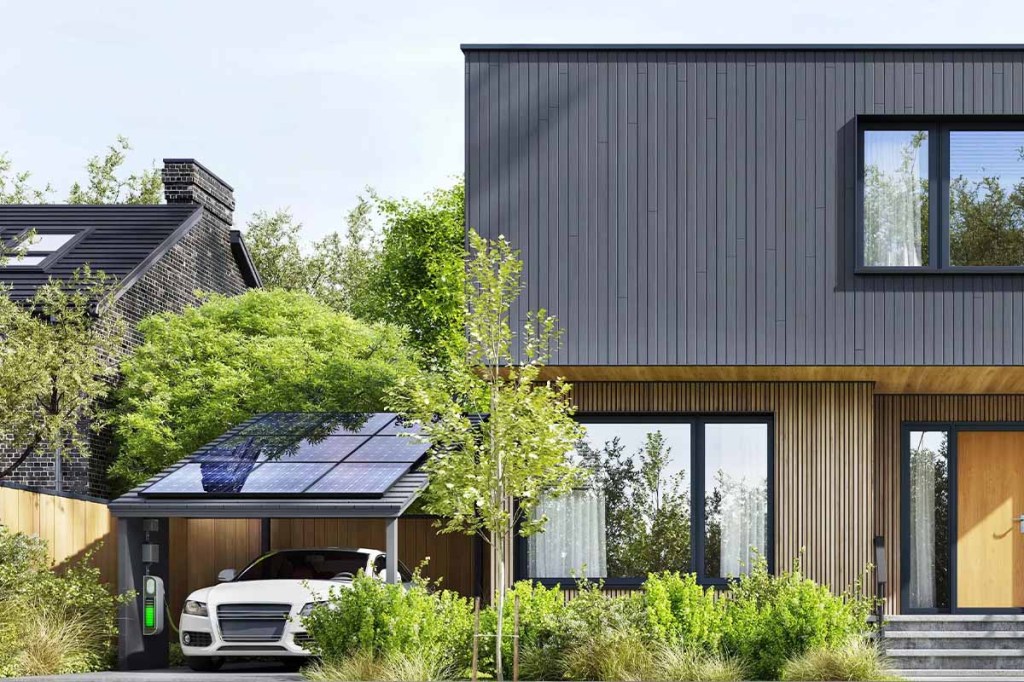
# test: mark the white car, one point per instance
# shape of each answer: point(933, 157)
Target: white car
point(259, 611)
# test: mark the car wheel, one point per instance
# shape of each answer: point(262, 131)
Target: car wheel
point(204, 664)
point(292, 663)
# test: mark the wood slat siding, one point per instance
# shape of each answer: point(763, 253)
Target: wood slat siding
point(71, 527)
point(201, 548)
point(891, 412)
point(697, 207)
point(824, 486)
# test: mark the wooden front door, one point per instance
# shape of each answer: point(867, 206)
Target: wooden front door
point(990, 496)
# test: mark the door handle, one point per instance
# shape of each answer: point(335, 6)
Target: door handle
point(1020, 520)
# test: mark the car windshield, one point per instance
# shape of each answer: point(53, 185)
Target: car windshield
point(306, 565)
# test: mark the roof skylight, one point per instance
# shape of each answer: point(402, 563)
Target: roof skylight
point(33, 250)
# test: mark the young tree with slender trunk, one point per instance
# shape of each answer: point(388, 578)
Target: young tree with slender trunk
point(501, 437)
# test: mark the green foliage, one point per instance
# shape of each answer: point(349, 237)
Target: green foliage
point(520, 450)
point(203, 370)
point(51, 623)
point(337, 270)
point(104, 186)
point(857, 660)
point(57, 365)
point(681, 663)
point(15, 187)
point(609, 653)
point(379, 621)
point(412, 667)
point(679, 611)
point(420, 279)
point(771, 619)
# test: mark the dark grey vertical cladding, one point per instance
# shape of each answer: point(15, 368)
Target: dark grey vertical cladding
point(696, 207)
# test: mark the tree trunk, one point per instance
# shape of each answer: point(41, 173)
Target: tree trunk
point(498, 542)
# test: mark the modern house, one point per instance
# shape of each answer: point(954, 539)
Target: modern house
point(162, 256)
point(803, 266)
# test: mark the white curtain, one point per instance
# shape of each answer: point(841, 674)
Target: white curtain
point(893, 198)
point(922, 529)
point(573, 541)
point(744, 527)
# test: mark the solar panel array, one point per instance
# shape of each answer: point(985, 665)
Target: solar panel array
point(327, 455)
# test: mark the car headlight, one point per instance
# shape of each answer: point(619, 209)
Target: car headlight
point(195, 608)
point(308, 608)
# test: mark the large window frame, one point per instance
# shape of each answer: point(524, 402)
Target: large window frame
point(938, 129)
point(696, 471)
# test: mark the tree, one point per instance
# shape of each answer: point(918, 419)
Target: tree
point(102, 185)
point(420, 280)
point(516, 446)
point(413, 275)
point(15, 187)
point(57, 364)
point(201, 371)
point(337, 269)
point(105, 187)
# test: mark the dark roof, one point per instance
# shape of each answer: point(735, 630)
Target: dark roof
point(214, 501)
point(702, 47)
point(122, 241)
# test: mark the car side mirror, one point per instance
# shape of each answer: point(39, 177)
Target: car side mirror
point(226, 576)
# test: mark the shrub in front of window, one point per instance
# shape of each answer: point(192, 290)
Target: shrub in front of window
point(681, 612)
point(769, 620)
point(375, 621)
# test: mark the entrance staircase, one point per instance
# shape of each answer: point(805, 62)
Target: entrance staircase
point(965, 648)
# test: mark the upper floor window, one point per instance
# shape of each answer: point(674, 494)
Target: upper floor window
point(942, 197)
point(35, 247)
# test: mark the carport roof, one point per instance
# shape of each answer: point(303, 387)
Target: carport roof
point(290, 465)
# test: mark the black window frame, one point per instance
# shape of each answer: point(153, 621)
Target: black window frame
point(696, 473)
point(954, 428)
point(938, 129)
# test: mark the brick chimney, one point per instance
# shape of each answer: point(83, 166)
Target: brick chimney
point(186, 181)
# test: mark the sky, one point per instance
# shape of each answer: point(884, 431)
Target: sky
point(303, 104)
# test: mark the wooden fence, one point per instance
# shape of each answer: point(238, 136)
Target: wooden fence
point(200, 548)
point(72, 526)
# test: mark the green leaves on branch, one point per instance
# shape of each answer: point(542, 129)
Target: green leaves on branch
point(57, 363)
point(208, 368)
point(103, 185)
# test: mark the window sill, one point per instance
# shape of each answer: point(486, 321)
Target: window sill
point(961, 270)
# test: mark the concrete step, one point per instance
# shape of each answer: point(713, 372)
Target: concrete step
point(963, 675)
point(953, 639)
point(931, 623)
point(957, 659)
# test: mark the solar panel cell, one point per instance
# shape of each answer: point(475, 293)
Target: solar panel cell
point(359, 479)
point(389, 449)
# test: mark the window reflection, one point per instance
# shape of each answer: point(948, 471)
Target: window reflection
point(895, 198)
point(929, 519)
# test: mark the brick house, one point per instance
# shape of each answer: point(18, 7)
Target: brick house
point(161, 255)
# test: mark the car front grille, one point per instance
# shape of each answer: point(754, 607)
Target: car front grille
point(252, 622)
point(192, 638)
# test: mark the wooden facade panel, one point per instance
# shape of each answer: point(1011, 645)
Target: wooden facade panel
point(891, 412)
point(824, 483)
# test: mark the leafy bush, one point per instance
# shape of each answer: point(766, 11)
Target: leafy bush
point(679, 611)
point(684, 664)
point(51, 623)
point(381, 621)
point(769, 620)
point(857, 660)
point(551, 627)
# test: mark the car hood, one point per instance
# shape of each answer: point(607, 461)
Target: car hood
point(295, 592)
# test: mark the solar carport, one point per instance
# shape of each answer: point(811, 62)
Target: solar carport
point(276, 465)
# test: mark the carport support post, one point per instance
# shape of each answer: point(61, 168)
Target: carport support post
point(391, 547)
point(136, 651)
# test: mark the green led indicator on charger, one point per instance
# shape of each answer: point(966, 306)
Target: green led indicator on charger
point(150, 616)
